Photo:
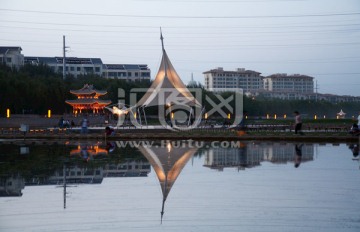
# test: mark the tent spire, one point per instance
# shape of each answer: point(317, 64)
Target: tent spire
point(162, 210)
point(162, 40)
point(163, 50)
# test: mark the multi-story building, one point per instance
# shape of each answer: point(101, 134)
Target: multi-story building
point(128, 72)
point(220, 80)
point(289, 83)
point(11, 56)
point(82, 66)
point(74, 65)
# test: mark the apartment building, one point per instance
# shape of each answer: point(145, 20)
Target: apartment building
point(128, 72)
point(74, 66)
point(295, 83)
point(220, 80)
point(84, 66)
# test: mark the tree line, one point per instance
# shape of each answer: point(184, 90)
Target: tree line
point(35, 89)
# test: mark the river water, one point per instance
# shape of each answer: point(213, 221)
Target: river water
point(179, 186)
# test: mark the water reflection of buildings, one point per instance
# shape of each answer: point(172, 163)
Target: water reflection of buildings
point(86, 175)
point(11, 186)
point(252, 154)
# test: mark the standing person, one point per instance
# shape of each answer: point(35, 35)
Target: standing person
point(298, 123)
point(84, 125)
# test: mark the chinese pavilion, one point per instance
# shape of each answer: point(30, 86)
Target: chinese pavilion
point(88, 100)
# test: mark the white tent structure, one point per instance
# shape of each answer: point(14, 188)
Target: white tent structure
point(169, 91)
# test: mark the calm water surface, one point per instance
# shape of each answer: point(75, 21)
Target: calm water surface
point(179, 186)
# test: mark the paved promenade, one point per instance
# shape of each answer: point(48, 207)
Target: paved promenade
point(42, 128)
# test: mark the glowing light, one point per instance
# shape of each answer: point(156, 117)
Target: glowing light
point(315, 117)
point(206, 115)
point(324, 116)
point(267, 116)
point(284, 116)
point(168, 146)
point(8, 113)
point(172, 115)
point(275, 116)
point(229, 116)
point(135, 115)
point(49, 114)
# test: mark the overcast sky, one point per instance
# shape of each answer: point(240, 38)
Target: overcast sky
point(320, 38)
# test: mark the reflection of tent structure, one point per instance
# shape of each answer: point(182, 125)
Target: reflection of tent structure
point(167, 89)
point(167, 163)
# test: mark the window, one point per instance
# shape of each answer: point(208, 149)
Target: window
point(97, 69)
point(89, 69)
point(72, 68)
point(129, 74)
point(78, 69)
point(8, 59)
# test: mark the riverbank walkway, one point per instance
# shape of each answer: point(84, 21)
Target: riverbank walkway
point(46, 128)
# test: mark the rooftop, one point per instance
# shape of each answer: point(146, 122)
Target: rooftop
point(237, 71)
point(87, 90)
point(4, 49)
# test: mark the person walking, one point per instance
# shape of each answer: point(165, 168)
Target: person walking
point(298, 123)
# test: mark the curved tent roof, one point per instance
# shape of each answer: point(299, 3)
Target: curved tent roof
point(167, 88)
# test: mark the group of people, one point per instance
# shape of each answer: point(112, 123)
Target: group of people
point(65, 123)
point(354, 130)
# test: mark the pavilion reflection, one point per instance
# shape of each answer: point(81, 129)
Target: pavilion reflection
point(89, 151)
point(167, 163)
point(249, 155)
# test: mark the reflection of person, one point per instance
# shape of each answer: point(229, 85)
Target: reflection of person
point(109, 131)
point(298, 123)
point(110, 147)
point(355, 149)
point(298, 155)
point(84, 152)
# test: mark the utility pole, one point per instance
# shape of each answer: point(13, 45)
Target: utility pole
point(316, 91)
point(64, 57)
